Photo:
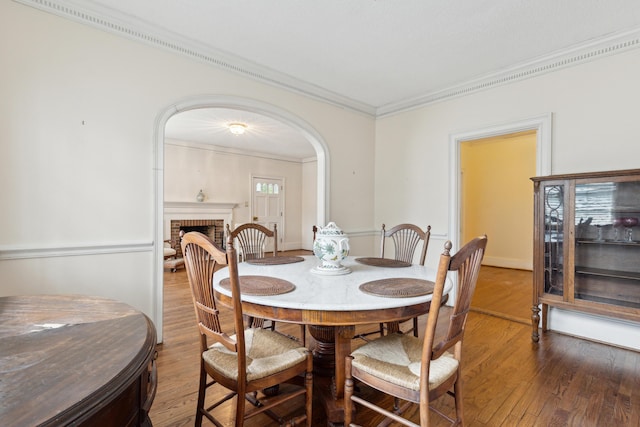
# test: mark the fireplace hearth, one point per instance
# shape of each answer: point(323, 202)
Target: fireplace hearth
point(213, 228)
point(207, 217)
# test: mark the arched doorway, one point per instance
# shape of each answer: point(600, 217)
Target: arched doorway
point(213, 101)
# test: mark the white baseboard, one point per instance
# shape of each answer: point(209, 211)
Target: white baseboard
point(607, 330)
point(519, 264)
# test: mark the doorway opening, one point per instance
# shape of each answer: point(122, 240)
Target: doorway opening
point(267, 201)
point(475, 173)
point(309, 133)
point(496, 201)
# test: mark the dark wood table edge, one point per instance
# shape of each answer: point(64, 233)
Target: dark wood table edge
point(82, 412)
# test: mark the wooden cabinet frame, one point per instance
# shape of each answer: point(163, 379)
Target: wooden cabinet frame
point(578, 265)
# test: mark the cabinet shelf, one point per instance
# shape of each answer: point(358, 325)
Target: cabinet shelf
point(622, 303)
point(634, 243)
point(629, 275)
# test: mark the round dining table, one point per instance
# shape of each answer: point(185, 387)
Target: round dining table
point(366, 291)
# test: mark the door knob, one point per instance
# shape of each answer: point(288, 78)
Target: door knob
point(255, 218)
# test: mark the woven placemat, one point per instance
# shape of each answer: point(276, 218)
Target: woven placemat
point(275, 260)
point(260, 285)
point(382, 262)
point(401, 287)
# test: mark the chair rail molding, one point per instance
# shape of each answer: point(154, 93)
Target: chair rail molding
point(11, 253)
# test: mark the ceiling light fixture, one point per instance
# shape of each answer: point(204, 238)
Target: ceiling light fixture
point(237, 128)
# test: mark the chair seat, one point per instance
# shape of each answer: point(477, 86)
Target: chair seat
point(268, 352)
point(396, 359)
point(167, 252)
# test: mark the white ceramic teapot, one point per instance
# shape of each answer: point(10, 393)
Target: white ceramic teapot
point(331, 247)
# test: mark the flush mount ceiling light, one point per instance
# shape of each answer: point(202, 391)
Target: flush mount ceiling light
point(237, 128)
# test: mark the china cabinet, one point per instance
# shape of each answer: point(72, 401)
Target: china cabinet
point(587, 245)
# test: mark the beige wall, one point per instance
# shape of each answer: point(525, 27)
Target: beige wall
point(78, 117)
point(225, 177)
point(594, 123)
point(595, 127)
point(79, 111)
point(496, 197)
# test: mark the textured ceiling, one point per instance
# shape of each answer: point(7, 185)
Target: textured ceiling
point(375, 56)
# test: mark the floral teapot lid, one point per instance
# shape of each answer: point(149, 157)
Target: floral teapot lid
point(330, 230)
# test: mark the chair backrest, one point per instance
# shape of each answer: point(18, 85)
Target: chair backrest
point(406, 238)
point(466, 263)
point(202, 258)
point(253, 239)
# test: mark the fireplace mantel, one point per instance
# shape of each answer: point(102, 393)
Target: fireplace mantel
point(197, 206)
point(196, 210)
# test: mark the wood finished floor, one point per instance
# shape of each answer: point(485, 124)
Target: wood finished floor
point(509, 381)
point(505, 293)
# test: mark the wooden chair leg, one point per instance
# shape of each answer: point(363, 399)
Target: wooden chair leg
point(240, 405)
point(308, 382)
point(457, 390)
point(201, 394)
point(348, 392)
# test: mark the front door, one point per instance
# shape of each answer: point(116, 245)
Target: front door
point(267, 205)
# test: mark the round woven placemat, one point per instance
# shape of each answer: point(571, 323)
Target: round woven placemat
point(260, 285)
point(398, 287)
point(275, 260)
point(382, 262)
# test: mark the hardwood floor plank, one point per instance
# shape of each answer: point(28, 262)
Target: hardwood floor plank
point(508, 380)
point(504, 292)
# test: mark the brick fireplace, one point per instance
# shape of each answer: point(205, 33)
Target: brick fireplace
point(214, 228)
point(208, 218)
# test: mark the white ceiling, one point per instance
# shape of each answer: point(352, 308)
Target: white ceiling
point(262, 135)
point(374, 56)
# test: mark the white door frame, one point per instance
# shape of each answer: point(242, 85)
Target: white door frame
point(283, 201)
point(541, 124)
point(232, 102)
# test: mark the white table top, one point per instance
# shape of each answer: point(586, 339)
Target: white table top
point(330, 293)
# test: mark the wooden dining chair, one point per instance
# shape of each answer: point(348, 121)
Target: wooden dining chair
point(419, 371)
point(242, 361)
point(406, 238)
point(252, 239)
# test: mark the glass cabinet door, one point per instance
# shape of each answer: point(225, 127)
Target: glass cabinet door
point(554, 208)
point(607, 242)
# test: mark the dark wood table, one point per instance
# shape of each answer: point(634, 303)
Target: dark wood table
point(75, 360)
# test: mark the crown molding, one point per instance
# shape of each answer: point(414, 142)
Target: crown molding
point(113, 22)
point(580, 54)
point(122, 25)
